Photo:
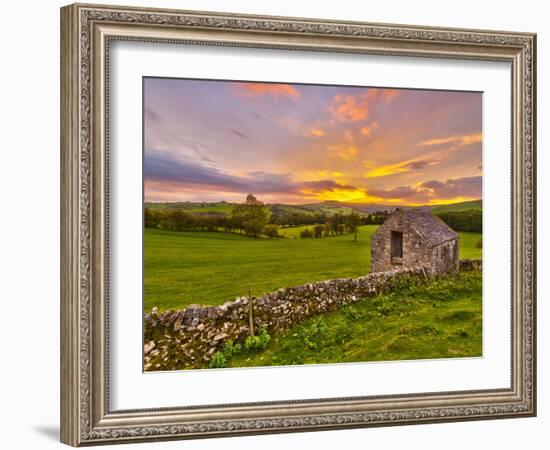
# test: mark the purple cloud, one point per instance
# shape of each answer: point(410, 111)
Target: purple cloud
point(151, 115)
point(433, 184)
point(456, 187)
point(191, 174)
point(238, 133)
point(433, 189)
point(398, 192)
point(420, 164)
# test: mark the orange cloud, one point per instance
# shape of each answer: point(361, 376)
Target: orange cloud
point(272, 89)
point(405, 166)
point(352, 108)
point(312, 175)
point(389, 94)
point(344, 151)
point(316, 132)
point(367, 131)
point(349, 108)
point(383, 171)
point(457, 140)
point(347, 153)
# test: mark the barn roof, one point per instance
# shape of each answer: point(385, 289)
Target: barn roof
point(431, 227)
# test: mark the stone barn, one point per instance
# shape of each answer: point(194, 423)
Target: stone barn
point(412, 237)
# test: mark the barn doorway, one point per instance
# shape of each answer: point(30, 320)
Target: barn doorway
point(396, 244)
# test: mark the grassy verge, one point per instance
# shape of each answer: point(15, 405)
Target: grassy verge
point(439, 320)
point(469, 245)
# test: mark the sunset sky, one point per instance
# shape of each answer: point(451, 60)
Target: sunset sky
point(290, 143)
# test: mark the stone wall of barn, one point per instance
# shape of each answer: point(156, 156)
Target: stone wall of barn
point(415, 251)
point(188, 338)
point(445, 257)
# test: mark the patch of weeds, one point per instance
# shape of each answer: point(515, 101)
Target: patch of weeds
point(352, 313)
point(222, 358)
point(399, 345)
point(386, 305)
point(457, 351)
point(441, 290)
point(312, 334)
point(419, 330)
point(458, 316)
point(218, 361)
point(258, 342)
point(461, 333)
point(230, 349)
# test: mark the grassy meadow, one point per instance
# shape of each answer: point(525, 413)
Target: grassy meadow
point(210, 268)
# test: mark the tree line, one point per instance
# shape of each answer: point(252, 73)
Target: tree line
point(337, 224)
point(285, 218)
point(250, 218)
point(253, 218)
point(471, 220)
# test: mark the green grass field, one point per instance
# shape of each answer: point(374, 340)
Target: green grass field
point(469, 245)
point(209, 268)
point(439, 320)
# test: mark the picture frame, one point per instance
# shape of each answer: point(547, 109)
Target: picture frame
point(87, 33)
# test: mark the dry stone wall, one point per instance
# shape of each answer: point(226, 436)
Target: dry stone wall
point(188, 338)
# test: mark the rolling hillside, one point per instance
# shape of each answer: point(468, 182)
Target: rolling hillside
point(328, 208)
point(476, 205)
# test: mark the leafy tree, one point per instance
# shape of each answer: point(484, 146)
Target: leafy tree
point(336, 220)
point(306, 233)
point(252, 216)
point(151, 218)
point(318, 231)
point(181, 220)
point(352, 222)
point(272, 231)
point(237, 218)
point(328, 228)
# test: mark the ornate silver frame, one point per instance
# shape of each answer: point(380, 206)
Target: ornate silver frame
point(86, 31)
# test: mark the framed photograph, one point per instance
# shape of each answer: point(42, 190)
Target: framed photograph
point(275, 225)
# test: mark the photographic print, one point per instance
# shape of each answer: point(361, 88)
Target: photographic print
point(289, 224)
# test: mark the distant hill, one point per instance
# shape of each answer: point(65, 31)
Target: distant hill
point(369, 208)
point(476, 205)
point(223, 207)
point(328, 207)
